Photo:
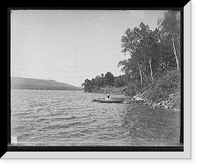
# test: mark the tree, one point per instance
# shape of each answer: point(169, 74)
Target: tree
point(87, 85)
point(130, 43)
point(142, 45)
point(122, 80)
point(153, 52)
point(109, 79)
point(99, 81)
point(118, 82)
point(170, 32)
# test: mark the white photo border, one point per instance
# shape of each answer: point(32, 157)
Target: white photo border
point(186, 154)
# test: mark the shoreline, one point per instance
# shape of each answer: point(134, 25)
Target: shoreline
point(172, 102)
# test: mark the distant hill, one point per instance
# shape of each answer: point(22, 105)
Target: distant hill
point(40, 84)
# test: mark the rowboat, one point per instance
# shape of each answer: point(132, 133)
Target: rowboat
point(110, 100)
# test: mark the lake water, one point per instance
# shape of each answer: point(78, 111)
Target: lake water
point(53, 117)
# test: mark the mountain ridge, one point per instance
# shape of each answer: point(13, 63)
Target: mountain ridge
point(40, 84)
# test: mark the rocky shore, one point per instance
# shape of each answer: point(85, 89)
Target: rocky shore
point(172, 102)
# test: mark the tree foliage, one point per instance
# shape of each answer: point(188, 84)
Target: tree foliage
point(109, 79)
point(152, 54)
point(165, 85)
point(170, 29)
point(99, 81)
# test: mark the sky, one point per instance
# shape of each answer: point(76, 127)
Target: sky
point(71, 45)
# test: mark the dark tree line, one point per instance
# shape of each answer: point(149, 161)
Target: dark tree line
point(105, 80)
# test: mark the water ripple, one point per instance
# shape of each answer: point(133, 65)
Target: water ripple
point(70, 118)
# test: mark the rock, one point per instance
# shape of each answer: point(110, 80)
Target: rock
point(170, 106)
point(176, 110)
point(154, 105)
point(147, 103)
point(165, 107)
point(138, 98)
point(150, 103)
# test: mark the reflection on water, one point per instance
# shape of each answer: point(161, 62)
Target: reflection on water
point(70, 118)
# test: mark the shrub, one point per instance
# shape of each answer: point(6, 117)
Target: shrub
point(130, 90)
point(167, 84)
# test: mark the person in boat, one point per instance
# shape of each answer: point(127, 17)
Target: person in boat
point(108, 97)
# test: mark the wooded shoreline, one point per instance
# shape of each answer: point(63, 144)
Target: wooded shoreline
point(154, 65)
point(172, 102)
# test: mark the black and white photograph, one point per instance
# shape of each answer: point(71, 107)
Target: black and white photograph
point(100, 80)
point(96, 78)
